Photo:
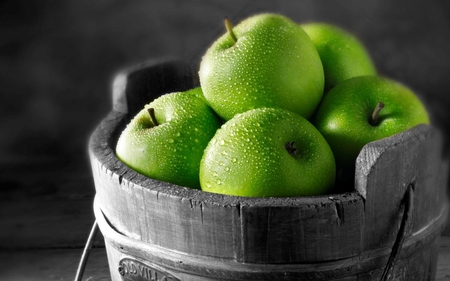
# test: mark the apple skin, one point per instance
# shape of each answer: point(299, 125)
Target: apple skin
point(343, 55)
point(248, 157)
point(273, 63)
point(344, 114)
point(172, 150)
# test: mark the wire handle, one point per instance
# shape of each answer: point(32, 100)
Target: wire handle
point(86, 252)
point(408, 201)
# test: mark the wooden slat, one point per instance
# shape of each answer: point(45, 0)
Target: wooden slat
point(384, 170)
point(140, 84)
point(443, 264)
point(311, 230)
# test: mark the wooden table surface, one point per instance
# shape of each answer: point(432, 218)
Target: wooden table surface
point(46, 214)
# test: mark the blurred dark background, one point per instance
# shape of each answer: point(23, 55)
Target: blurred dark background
point(58, 58)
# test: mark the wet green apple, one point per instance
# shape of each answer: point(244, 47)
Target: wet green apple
point(166, 139)
point(267, 152)
point(364, 109)
point(343, 55)
point(266, 60)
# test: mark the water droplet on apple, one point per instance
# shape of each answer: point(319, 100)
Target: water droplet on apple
point(222, 142)
point(233, 160)
point(170, 140)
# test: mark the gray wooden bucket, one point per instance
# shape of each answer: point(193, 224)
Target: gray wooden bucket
point(155, 230)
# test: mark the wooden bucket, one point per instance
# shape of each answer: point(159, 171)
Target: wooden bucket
point(155, 230)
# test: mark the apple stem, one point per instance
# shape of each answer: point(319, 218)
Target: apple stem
point(229, 27)
point(376, 113)
point(291, 149)
point(151, 112)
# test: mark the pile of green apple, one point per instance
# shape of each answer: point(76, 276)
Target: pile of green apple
point(280, 109)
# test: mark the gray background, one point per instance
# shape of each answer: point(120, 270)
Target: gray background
point(57, 58)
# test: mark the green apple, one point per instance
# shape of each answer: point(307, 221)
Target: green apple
point(266, 60)
point(267, 152)
point(364, 109)
point(166, 139)
point(343, 55)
